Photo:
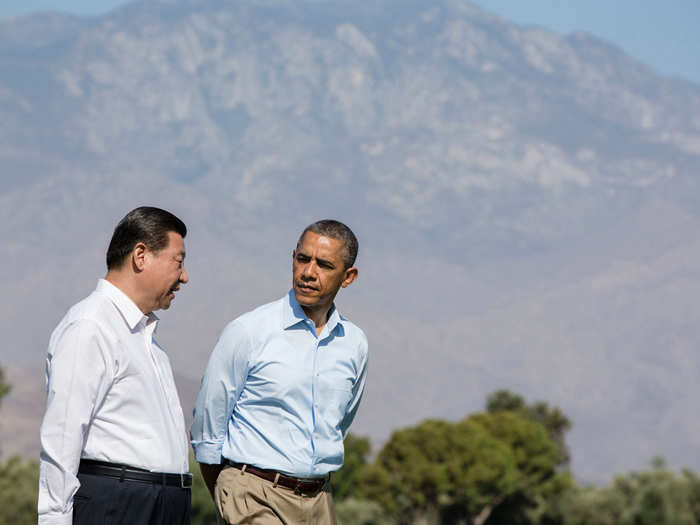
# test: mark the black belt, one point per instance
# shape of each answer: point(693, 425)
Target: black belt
point(305, 486)
point(125, 472)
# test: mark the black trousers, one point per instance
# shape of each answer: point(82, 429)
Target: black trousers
point(107, 501)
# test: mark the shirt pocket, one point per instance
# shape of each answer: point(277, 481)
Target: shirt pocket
point(333, 404)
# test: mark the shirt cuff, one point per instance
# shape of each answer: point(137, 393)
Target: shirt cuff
point(56, 519)
point(207, 451)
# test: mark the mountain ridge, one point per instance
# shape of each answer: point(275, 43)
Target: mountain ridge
point(526, 202)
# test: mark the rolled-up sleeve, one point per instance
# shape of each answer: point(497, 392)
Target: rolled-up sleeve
point(79, 371)
point(222, 384)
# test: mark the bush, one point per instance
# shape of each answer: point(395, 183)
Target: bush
point(19, 486)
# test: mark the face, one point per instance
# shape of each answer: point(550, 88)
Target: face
point(164, 271)
point(318, 270)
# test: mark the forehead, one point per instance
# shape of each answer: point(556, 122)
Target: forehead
point(176, 243)
point(314, 244)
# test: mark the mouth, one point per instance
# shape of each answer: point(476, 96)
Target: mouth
point(306, 288)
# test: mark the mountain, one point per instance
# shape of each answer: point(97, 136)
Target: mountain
point(526, 203)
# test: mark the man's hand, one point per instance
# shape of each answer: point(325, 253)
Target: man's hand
point(210, 473)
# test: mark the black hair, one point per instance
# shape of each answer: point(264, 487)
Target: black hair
point(144, 224)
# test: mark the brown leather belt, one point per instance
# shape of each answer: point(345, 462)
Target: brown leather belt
point(307, 487)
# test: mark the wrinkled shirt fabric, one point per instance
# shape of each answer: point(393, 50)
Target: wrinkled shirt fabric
point(277, 395)
point(110, 397)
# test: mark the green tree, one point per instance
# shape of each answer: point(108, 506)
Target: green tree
point(347, 482)
point(352, 511)
point(19, 482)
point(552, 418)
point(460, 472)
point(536, 459)
point(4, 386)
point(693, 484)
point(656, 496)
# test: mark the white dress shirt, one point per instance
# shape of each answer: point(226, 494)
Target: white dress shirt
point(110, 396)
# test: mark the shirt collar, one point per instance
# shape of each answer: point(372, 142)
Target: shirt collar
point(131, 313)
point(293, 314)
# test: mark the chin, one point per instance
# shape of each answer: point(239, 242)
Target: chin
point(305, 300)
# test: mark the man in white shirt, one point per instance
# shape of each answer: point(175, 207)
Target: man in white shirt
point(113, 442)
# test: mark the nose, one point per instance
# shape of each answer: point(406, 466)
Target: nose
point(309, 271)
point(184, 278)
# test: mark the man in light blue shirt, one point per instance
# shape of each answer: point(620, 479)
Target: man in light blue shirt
point(280, 391)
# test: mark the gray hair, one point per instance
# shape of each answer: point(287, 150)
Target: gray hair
point(335, 230)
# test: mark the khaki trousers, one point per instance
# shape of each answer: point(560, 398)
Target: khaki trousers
point(244, 498)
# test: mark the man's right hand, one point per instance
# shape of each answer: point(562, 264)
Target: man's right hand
point(210, 473)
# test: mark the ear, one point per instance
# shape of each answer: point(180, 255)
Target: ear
point(139, 256)
point(350, 276)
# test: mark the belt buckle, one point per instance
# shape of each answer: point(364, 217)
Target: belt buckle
point(297, 490)
point(184, 477)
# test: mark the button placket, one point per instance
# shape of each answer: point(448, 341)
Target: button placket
point(156, 362)
point(314, 393)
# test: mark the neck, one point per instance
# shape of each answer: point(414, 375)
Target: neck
point(129, 287)
point(318, 314)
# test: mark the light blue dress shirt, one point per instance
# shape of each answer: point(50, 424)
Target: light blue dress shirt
point(278, 396)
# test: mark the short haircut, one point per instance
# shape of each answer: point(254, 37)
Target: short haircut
point(335, 230)
point(147, 225)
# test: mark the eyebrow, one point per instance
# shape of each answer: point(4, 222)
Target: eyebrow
point(318, 259)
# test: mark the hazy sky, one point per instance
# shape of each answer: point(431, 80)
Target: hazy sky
point(664, 34)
